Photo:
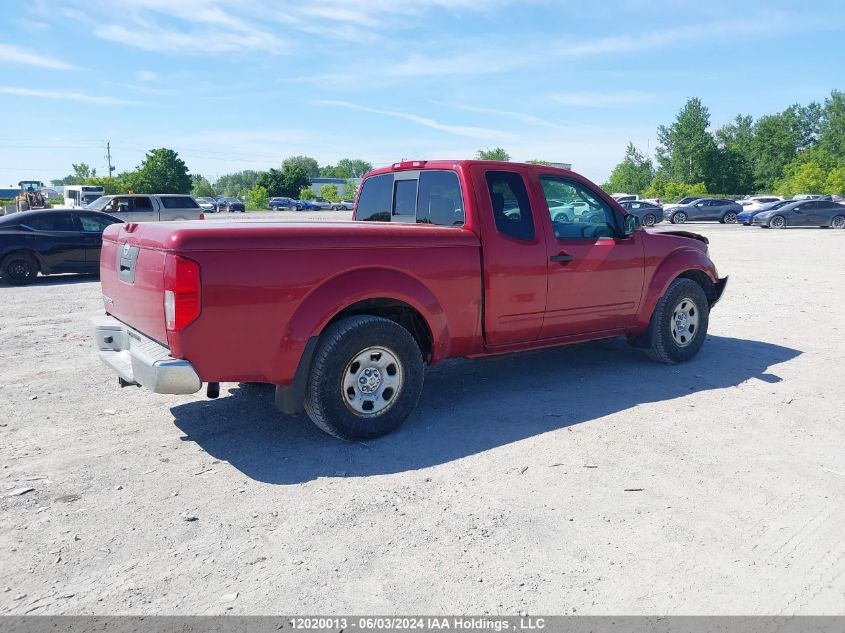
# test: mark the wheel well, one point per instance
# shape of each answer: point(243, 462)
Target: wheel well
point(702, 280)
point(398, 312)
point(31, 254)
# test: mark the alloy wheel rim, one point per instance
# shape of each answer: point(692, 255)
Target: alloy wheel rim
point(839, 222)
point(680, 218)
point(684, 323)
point(730, 218)
point(372, 381)
point(778, 221)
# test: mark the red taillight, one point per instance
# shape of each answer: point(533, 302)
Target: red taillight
point(182, 298)
point(202, 216)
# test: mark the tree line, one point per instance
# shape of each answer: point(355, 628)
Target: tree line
point(162, 171)
point(798, 150)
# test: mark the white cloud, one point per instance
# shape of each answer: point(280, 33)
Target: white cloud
point(9, 53)
point(460, 130)
point(146, 75)
point(64, 96)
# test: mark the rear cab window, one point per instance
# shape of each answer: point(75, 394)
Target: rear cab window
point(429, 196)
point(178, 202)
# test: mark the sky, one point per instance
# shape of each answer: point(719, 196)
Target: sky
point(243, 84)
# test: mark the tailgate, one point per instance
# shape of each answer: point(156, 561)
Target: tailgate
point(132, 278)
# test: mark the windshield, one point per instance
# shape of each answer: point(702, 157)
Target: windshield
point(99, 203)
point(88, 198)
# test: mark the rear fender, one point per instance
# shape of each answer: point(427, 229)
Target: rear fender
point(330, 298)
point(673, 266)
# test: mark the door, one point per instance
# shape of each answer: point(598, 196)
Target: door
point(59, 241)
point(92, 231)
point(143, 209)
point(514, 256)
point(595, 276)
point(129, 209)
point(803, 214)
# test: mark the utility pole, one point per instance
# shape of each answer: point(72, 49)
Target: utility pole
point(108, 157)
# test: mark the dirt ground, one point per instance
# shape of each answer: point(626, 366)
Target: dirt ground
point(581, 480)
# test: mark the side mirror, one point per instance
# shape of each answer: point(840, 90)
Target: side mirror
point(632, 223)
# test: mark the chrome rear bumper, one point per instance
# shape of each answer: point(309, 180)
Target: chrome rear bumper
point(139, 360)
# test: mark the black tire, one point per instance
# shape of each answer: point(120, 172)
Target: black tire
point(777, 222)
point(20, 269)
point(678, 218)
point(729, 218)
point(649, 219)
point(838, 222)
point(664, 346)
point(327, 399)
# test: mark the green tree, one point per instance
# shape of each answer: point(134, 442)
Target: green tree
point(329, 192)
point(308, 164)
point(307, 194)
point(162, 171)
point(686, 150)
point(111, 186)
point(234, 185)
point(287, 181)
point(81, 173)
point(497, 153)
point(808, 177)
point(201, 188)
point(257, 197)
point(832, 124)
point(633, 174)
point(537, 161)
point(351, 189)
point(835, 182)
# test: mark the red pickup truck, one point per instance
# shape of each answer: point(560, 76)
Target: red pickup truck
point(443, 259)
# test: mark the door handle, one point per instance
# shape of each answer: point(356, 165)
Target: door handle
point(561, 258)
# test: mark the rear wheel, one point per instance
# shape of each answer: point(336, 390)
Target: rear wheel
point(777, 222)
point(20, 269)
point(679, 323)
point(679, 218)
point(649, 219)
point(365, 379)
point(729, 218)
point(838, 222)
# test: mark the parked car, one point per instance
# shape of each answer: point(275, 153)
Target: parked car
point(345, 205)
point(752, 203)
point(57, 241)
point(322, 203)
point(448, 259)
point(721, 209)
point(149, 208)
point(208, 205)
point(284, 203)
point(231, 205)
point(748, 215)
point(682, 202)
point(308, 205)
point(649, 214)
point(823, 213)
point(624, 197)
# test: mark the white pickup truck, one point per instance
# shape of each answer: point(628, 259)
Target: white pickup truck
point(149, 207)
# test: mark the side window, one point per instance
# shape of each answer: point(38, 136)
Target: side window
point(118, 205)
point(94, 224)
point(375, 199)
point(576, 211)
point(439, 200)
point(511, 209)
point(143, 204)
point(52, 222)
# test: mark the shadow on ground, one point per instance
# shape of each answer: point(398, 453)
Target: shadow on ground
point(468, 407)
point(56, 280)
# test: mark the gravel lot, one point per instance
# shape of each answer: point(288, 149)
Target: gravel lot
point(578, 480)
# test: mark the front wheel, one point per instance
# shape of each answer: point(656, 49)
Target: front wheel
point(649, 220)
point(729, 218)
point(366, 377)
point(838, 222)
point(20, 269)
point(679, 218)
point(777, 222)
point(679, 323)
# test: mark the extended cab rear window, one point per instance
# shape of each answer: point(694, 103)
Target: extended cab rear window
point(179, 202)
point(424, 197)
